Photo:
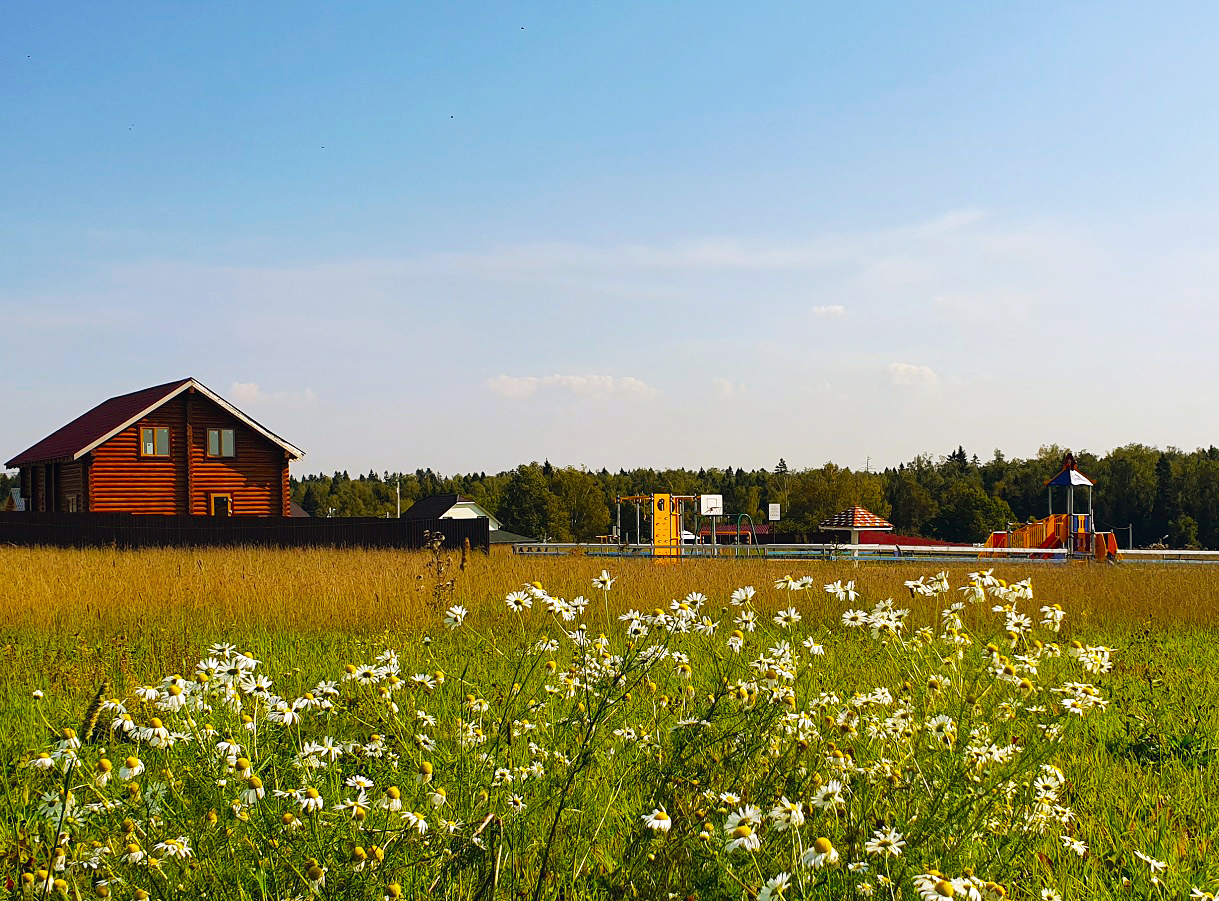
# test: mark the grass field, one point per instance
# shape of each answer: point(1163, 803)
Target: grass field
point(652, 765)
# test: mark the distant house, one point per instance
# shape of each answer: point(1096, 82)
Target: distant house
point(177, 448)
point(450, 506)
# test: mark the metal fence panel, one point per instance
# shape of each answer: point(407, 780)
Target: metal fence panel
point(127, 530)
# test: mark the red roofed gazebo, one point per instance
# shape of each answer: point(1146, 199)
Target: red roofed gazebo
point(855, 520)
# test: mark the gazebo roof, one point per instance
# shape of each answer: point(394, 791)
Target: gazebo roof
point(856, 519)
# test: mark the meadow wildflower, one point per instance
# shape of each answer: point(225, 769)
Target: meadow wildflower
point(885, 842)
point(455, 616)
point(775, 888)
point(787, 618)
point(1155, 865)
point(178, 848)
point(132, 768)
point(519, 601)
point(657, 820)
point(822, 853)
point(743, 595)
point(311, 800)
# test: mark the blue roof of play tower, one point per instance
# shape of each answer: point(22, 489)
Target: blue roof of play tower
point(1069, 477)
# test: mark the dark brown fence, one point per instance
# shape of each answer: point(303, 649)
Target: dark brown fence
point(126, 530)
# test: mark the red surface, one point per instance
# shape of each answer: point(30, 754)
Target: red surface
point(82, 431)
point(856, 518)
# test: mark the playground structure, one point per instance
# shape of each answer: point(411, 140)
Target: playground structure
point(1071, 532)
point(667, 515)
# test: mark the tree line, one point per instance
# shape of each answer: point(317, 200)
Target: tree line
point(1144, 494)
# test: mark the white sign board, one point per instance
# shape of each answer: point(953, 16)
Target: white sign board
point(711, 504)
point(773, 512)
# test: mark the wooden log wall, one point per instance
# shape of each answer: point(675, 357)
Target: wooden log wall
point(120, 480)
point(255, 477)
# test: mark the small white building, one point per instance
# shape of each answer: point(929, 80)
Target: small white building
point(449, 506)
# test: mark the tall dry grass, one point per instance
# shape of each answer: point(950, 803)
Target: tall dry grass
point(101, 592)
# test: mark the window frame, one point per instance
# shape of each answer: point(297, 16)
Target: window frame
point(155, 429)
point(221, 455)
point(211, 502)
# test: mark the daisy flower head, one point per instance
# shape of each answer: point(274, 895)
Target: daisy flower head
point(886, 842)
point(787, 814)
point(132, 767)
point(174, 847)
point(518, 601)
point(829, 796)
point(747, 814)
point(392, 799)
point(821, 854)
point(658, 820)
point(132, 853)
point(310, 800)
point(775, 888)
point(1073, 845)
point(934, 886)
point(743, 595)
point(787, 618)
point(742, 836)
point(316, 875)
point(254, 791)
point(604, 581)
point(1156, 865)
point(854, 619)
point(455, 616)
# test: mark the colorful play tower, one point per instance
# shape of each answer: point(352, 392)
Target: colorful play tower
point(1071, 531)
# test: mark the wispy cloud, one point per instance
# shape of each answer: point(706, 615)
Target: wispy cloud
point(833, 309)
point(726, 388)
point(521, 387)
point(251, 395)
point(913, 375)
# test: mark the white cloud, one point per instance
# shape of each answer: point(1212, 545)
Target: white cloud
point(521, 387)
point(725, 388)
point(913, 375)
point(833, 309)
point(250, 394)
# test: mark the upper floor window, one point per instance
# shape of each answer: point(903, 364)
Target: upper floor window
point(154, 442)
point(220, 443)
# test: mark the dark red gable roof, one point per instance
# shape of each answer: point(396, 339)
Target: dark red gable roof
point(97, 423)
point(109, 417)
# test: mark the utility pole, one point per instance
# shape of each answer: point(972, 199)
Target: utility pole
point(398, 491)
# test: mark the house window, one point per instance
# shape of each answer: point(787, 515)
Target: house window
point(220, 443)
point(154, 442)
point(220, 504)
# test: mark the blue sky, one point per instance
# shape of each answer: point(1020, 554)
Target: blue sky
point(469, 235)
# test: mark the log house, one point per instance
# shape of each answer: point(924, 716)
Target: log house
point(170, 449)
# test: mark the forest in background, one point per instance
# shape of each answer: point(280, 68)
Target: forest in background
point(1143, 493)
